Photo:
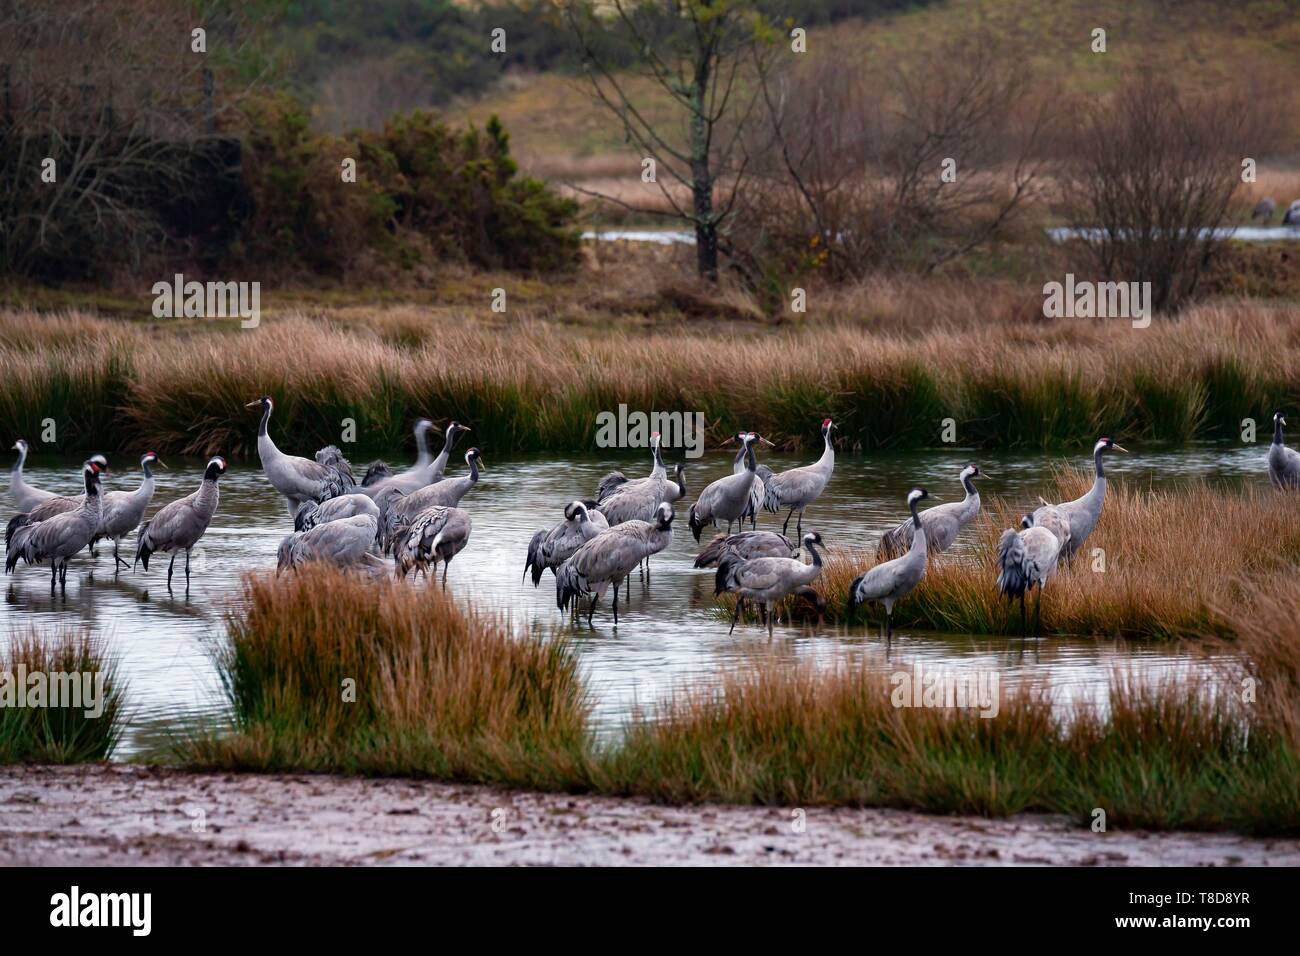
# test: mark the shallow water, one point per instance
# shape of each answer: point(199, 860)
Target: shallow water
point(670, 634)
point(667, 237)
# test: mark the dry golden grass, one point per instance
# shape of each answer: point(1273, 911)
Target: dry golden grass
point(531, 383)
point(1173, 564)
point(328, 671)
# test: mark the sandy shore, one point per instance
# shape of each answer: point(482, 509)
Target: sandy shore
point(117, 814)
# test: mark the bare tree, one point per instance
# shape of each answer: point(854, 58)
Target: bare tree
point(863, 165)
point(101, 104)
point(1151, 176)
point(696, 51)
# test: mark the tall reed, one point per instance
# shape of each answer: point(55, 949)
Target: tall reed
point(539, 384)
point(81, 727)
point(326, 671)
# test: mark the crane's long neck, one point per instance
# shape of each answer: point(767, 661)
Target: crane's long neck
point(1101, 469)
point(422, 454)
point(827, 461)
point(17, 471)
point(440, 463)
point(816, 557)
point(205, 502)
point(145, 490)
point(1277, 438)
point(266, 449)
point(681, 481)
point(93, 502)
point(970, 503)
point(919, 544)
point(659, 470)
point(751, 463)
point(473, 470)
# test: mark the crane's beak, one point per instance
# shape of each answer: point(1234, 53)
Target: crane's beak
point(481, 466)
point(727, 442)
point(257, 401)
point(1119, 448)
point(159, 463)
point(766, 442)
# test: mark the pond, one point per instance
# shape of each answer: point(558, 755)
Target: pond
point(670, 634)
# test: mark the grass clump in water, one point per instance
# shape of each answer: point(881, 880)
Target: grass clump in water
point(74, 673)
point(326, 671)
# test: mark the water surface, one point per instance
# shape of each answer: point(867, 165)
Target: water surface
point(671, 632)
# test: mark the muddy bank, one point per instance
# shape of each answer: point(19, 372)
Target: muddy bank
point(119, 814)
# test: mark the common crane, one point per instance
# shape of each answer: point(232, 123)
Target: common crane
point(797, 488)
point(550, 549)
point(891, 580)
point(61, 536)
point(745, 545)
point(726, 498)
point(301, 480)
point(53, 505)
point(1026, 558)
point(123, 510)
point(609, 557)
point(1264, 209)
point(179, 526)
point(1283, 462)
point(426, 471)
point(23, 495)
point(346, 542)
point(437, 534)
point(1083, 513)
point(398, 511)
point(767, 580)
point(942, 523)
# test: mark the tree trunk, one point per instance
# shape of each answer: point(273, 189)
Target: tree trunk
point(706, 228)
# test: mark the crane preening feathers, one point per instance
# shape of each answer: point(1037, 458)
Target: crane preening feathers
point(1026, 558)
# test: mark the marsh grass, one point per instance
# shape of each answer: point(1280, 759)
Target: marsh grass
point(449, 694)
point(325, 671)
point(63, 734)
point(530, 384)
point(1172, 563)
point(1178, 754)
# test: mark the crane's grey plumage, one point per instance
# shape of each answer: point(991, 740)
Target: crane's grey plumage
point(891, 580)
point(942, 523)
point(399, 510)
point(1026, 558)
point(550, 549)
point(61, 536)
point(609, 557)
point(299, 479)
point(797, 488)
point(179, 526)
point(23, 495)
point(1083, 513)
point(123, 510)
point(436, 534)
point(1264, 209)
point(1292, 217)
point(767, 580)
point(346, 542)
point(426, 471)
point(1283, 462)
point(636, 498)
point(727, 498)
point(54, 504)
point(745, 545)
point(335, 509)
point(758, 490)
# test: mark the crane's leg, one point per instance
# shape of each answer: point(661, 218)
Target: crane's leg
point(187, 570)
point(786, 526)
point(771, 615)
point(740, 602)
point(889, 624)
point(799, 526)
point(54, 574)
point(616, 602)
point(592, 610)
point(1038, 611)
point(445, 565)
point(117, 560)
point(170, 564)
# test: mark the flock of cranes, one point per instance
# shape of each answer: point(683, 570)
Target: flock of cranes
point(415, 519)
